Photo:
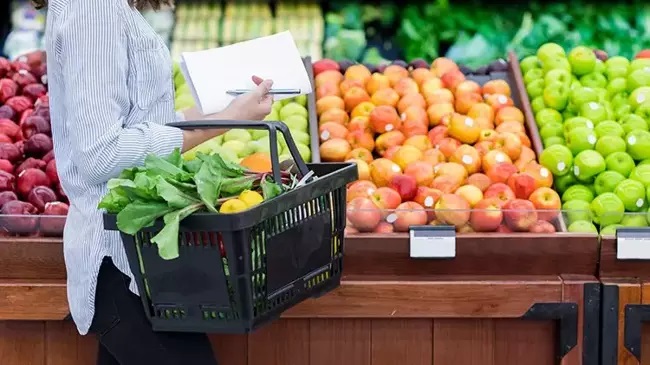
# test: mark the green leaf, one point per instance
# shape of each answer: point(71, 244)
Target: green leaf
point(114, 201)
point(208, 184)
point(167, 238)
point(193, 166)
point(234, 186)
point(129, 174)
point(138, 189)
point(222, 167)
point(175, 158)
point(175, 197)
point(140, 214)
point(159, 166)
point(270, 189)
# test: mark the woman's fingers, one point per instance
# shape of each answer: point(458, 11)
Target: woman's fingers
point(263, 89)
point(257, 80)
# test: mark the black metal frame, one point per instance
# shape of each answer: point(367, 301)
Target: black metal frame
point(635, 315)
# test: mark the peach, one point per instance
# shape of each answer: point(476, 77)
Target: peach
point(525, 141)
point(510, 127)
point(442, 65)
point(470, 193)
point(329, 102)
point(501, 172)
point(486, 216)
point(498, 101)
point(504, 229)
point(388, 97)
point(437, 133)
point(348, 84)
point(384, 227)
point(467, 156)
point(358, 72)
point(395, 73)
point(510, 144)
point(428, 87)
point(494, 157)
point(453, 210)
point(361, 139)
point(363, 109)
point(336, 115)
point(436, 113)
point(469, 87)
point(334, 150)
point(406, 86)
point(362, 169)
point(519, 215)
point(448, 146)
point(360, 188)
point(427, 197)
point(527, 155)
point(355, 96)
point(416, 113)
point(451, 79)
point(465, 101)
point(481, 110)
point(542, 226)
point(452, 170)
point(509, 113)
point(466, 228)
point(360, 153)
point(409, 214)
point(433, 156)
point(405, 155)
point(359, 124)
point(484, 123)
point(363, 214)
point(324, 65)
point(387, 140)
point(497, 86)
point(384, 118)
point(446, 184)
point(411, 100)
point(421, 171)
point(390, 152)
point(488, 135)
point(412, 128)
point(440, 96)
point(522, 184)
point(420, 75)
point(464, 128)
point(501, 192)
point(420, 142)
point(483, 147)
point(333, 77)
point(542, 176)
point(386, 198)
point(479, 180)
point(331, 130)
point(382, 170)
point(329, 89)
point(547, 202)
point(377, 81)
point(404, 185)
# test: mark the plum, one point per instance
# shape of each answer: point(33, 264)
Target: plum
point(20, 145)
point(344, 64)
point(400, 63)
point(30, 163)
point(418, 63)
point(29, 179)
point(465, 70)
point(19, 103)
point(51, 172)
point(41, 195)
point(43, 101)
point(7, 196)
point(26, 114)
point(24, 78)
point(499, 65)
point(9, 128)
point(7, 181)
point(9, 151)
point(38, 145)
point(34, 91)
point(5, 66)
point(34, 124)
point(6, 166)
point(5, 139)
point(7, 113)
point(18, 217)
point(8, 89)
point(42, 111)
point(53, 218)
point(371, 67)
point(48, 157)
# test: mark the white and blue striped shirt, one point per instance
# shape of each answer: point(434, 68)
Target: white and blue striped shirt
point(111, 94)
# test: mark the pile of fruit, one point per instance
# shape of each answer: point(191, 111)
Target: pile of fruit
point(593, 112)
point(29, 184)
point(432, 147)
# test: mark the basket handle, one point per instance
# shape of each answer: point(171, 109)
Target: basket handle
point(271, 126)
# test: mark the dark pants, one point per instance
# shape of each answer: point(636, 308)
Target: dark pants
point(125, 335)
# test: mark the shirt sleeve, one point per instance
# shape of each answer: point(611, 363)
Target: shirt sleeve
point(95, 69)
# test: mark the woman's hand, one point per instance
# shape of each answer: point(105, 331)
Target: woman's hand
point(254, 105)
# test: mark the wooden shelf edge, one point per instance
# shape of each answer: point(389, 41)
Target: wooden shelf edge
point(33, 300)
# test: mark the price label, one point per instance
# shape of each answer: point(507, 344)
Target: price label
point(633, 244)
point(438, 242)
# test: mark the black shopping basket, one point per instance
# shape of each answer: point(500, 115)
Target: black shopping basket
point(237, 272)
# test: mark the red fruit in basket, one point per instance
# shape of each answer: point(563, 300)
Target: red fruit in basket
point(5, 139)
point(20, 145)
point(41, 195)
point(9, 151)
point(7, 113)
point(6, 181)
point(16, 217)
point(7, 196)
point(19, 103)
point(522, 184)
point(9, 128)
point(18, 65)
point(384, 227)
point(34, 91)
point(5, 66)
point(51, 172)
point(409, 214)
point(363, 214)
point(43, 101)
point(8, 89)
point(24, 78)
point(48, 157)
point(29, 179)
point(42, 111)
point(30, 163)
point(56, 208)
point(53, 219)
point(405, 185)
point(547, 202)
point(325, 65)
point(6, 166)
point(500, 191)
point(519, 214)
point(38, 145)
point(486, 215)
point(33, 125)
point(542, 227)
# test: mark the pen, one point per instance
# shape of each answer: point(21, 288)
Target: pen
point(271, 92)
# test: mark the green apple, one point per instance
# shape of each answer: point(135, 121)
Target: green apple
point(558, 75)
point(556, 95)
point(580, 139)
point(582, 60)
point(576, 210)
point(616, 86)
point(553, 140)
point(256, 134)
point(594, 111)
point(582, 95)
point(609, 128)
point(622, 111)
point(550, 50)
point(264, 145)
point(538, 104)
point(616, 72)
point(620, 162)
point(568, 114)
point(607, 181)
point(594, 79)
point(529, 63)
point(639, 96)
point(532, 75)
point(240, 135)
point(582, 227)
point(578, 192)
point(292, 108)
point(638, 144)
point(644, 162)
point(300, 137)
point(296, 122)
point(607, 208)
point(644, 111)
point(600, 66)
point(547, 115)
point(588, 164)
point(610, 230)
point(639, 64)
point(556, 63)
point(638, 78)
point(617, 61)
point(238, 147)
point(557, 158)
point(535, 88)
point(277, 105)
point(301, 99)
point(551, 129)
point(633, 122)
point(641, 174)
point(647, 193)
point(632, 194)
point(607, 145)
point(634, 220)
point(182, 102)
point(577, 122)
point(304, 151)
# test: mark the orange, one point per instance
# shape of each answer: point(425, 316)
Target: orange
point(257, 162)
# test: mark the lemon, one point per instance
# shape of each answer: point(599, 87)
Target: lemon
point(251, 198)
point(233, 206)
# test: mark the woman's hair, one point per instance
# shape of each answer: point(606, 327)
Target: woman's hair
point(138, 4)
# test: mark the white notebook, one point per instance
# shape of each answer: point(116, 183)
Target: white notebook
point(211, 73)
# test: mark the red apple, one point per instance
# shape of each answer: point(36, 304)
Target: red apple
point(542, 227)
point(547, 202)
point(409, 214)
point(363, 214)
point(520, 214)
point(405, 185)
point(486, 216)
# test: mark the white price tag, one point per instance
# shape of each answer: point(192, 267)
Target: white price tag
point(633, 244)
point(438, 242)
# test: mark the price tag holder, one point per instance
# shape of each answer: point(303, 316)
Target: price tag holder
point(432, 242)
point(633, 243)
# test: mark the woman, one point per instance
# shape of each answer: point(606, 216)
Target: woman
point(111, 94)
